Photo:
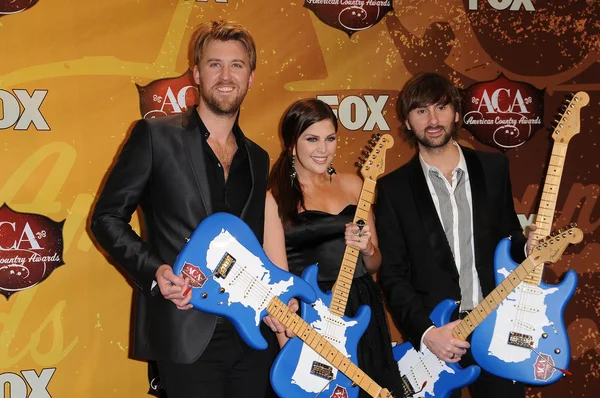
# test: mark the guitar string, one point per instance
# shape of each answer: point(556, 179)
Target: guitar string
point(526, 299)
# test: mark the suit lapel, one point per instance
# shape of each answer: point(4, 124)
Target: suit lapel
point(479, 199)
point(195, 152)
point(253, 177)
point(436, 238)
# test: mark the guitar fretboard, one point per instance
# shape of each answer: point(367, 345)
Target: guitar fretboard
point(545, 214)
point(341, 289)
point(487, 305)
point(278, 310)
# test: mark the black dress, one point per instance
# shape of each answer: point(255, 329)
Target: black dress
point(319, 239)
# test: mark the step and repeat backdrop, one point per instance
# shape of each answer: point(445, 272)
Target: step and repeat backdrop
point(75, 75)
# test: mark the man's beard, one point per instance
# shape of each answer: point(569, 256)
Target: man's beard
point(429, 144)
point(222, 107)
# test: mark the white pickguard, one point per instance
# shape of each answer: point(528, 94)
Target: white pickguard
point(248, 282)
point(523, 311)
point(333, 328)
point(421, 367)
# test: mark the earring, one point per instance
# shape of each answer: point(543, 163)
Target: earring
point(330, 171)
point(293, 173)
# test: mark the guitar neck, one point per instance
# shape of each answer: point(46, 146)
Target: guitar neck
point(278, 310)
point(545, 214)
point(487, 305)
point(341, 289)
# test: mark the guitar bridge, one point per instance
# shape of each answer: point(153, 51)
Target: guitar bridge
point(520, 340)
point(407, 388)
point(225, 265)
point(322, 370)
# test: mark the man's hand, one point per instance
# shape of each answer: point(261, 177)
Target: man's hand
point(443, 345)
point(276, 326)
point(172, 287)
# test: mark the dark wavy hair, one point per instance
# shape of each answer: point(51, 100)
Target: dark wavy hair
point(298, 117)
point(426, 89)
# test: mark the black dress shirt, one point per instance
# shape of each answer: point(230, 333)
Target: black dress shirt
point(226, 195)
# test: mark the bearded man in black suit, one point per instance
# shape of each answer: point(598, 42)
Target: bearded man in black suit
point(440, 217)
point(179, 169)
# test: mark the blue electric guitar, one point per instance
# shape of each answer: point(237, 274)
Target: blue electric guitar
point(299, 371)
point(427, 376)
point(230, 275)
point(532, 316)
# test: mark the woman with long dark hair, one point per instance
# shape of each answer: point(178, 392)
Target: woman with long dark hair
point(312, 208)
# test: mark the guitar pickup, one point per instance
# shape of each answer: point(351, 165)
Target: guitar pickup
point(322, 370)
point(520, 340)
point(225, 265)
point(407, 387)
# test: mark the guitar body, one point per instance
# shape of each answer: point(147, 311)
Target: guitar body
point(420, 367)
point(291, 375)
point(246, 279)
point(536, 314)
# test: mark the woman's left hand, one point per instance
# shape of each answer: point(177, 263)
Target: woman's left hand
point(359, 238)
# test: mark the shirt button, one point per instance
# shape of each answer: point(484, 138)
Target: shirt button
point(219, 164)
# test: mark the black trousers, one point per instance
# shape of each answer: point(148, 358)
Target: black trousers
point(223, 370)
point(488, 385)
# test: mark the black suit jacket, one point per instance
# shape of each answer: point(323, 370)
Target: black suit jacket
point(418, 269)
point(162, 169)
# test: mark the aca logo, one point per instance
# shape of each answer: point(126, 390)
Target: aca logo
point(166, 96)
point(359, 112)
point(13, 115)
point(515, 5)
point(15, 6)
point(350, 16)
point(18, 385)
point(502, 113)
point(31, 247)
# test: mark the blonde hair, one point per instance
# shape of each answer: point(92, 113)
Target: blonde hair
point(223, 30)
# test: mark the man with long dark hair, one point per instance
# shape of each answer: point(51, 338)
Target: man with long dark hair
point(439, 218)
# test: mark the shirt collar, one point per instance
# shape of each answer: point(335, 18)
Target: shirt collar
point(462, 164)
point(196, 121)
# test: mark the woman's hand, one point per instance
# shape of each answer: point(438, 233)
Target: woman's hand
point(359, 238)
point(276, 326)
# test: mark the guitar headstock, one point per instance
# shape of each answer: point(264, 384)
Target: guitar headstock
point(372, 164)
point(569, 123)
point(552, 247)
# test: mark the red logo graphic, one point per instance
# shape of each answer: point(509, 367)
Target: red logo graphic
point(502, 113)
point(31, 248)
point(339, 392)
point(543, 368)
point(197, 277)
point(15, 6)
point(166, 96)
point(350, 16)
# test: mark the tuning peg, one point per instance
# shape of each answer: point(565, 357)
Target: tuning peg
point(377, 135)
point(573, 225)
point(359, 164)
